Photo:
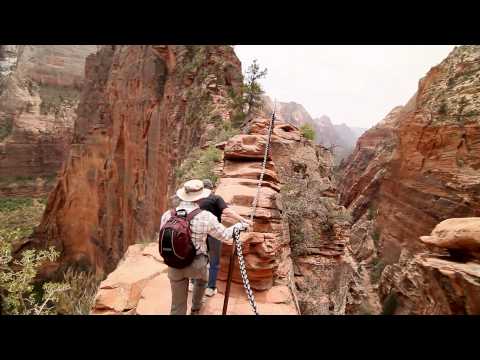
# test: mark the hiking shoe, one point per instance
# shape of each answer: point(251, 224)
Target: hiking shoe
point(210, 292)
point(190, 287)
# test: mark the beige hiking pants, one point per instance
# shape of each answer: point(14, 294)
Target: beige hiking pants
point(179, 279)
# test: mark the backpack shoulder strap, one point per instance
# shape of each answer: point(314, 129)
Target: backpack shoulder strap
point(193, 213)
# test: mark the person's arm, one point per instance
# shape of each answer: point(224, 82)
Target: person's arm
point(218, 231)
point(232, 213)
point(165, 217)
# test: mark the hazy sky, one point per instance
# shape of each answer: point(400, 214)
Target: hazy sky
point(357, 85)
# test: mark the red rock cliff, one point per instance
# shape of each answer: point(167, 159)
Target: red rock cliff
point(419, 166)
point(142, 109)
point(40, 87)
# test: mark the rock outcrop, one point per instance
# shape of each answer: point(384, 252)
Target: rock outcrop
point(417, 167)
point(456, 234)
point(267, 245)
point(444, 279)
point(142, 109)
point(40, 86)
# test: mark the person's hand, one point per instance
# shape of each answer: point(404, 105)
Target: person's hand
point(248, 222)
point(241, 226)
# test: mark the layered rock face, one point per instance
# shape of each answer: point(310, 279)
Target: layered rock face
point(417, 167)
point(40, 86)
point(267, 251)
point(325, 274)
point(143, 108)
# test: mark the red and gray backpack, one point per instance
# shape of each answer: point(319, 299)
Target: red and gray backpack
point(175, 240)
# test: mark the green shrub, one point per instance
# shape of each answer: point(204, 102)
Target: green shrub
point(302, 201)
point(6, 128)
point(54, 98)
point(223, 132)
point(376, 237)
point(12, 204)
point(377, 269)
point(21, 214)
point(199, 165)
point(17, 277)
point(371, 212)
point(307, 131)
point(79, 298)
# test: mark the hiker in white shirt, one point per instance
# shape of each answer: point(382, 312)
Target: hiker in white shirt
point(203, 224)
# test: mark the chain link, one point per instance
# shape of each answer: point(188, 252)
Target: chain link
point(236, 232)
point(243, 271)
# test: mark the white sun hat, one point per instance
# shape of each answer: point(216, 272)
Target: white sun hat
point(193, 190)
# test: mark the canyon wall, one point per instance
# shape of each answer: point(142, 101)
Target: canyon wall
point(414, 169)
point(40, 87)
point(143, 108)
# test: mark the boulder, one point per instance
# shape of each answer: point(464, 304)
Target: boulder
point(246, 147)
point(456, 233)
point(122, 289)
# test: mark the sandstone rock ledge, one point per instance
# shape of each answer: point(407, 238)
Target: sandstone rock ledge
point(140, 286)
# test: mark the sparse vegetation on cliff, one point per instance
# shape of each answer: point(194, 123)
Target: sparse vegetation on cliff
point(21, 214)
point(248, 102)
point(376, 270)
point(6, 128)
point(307, 131)
point(54, 98)
point(199, 165)
point(304, 204)
point(19, 294)
point(78, 299)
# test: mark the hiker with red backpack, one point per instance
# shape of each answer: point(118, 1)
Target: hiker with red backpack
point(217, 206)
point(183, 245)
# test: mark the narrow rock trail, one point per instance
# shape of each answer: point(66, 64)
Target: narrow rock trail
point(140, 284)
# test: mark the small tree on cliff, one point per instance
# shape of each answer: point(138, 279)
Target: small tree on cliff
point(252, 89)
point(307, 131)
point(249, 102)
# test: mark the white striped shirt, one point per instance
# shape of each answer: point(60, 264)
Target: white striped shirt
point(203, 224)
